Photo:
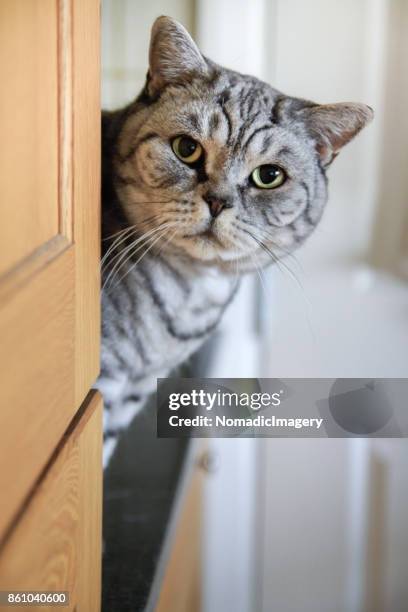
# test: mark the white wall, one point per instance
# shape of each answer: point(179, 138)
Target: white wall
point(334, 526)
point(232, 33)
point(343, 318)
point(305, 526)
point(330, 51)
point(125, 42)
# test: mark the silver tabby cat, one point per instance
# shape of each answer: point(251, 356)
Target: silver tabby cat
point(206, 176)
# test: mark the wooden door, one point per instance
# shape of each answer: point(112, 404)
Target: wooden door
point(49, 263)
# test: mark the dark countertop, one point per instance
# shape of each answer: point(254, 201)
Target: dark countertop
point(142, 488)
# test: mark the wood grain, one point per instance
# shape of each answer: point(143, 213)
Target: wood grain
point(49, 297)
point(56, 542)
point(181, 590)
point(66, 107)
point(37, 378)
point(49, 300)
point(29, 158)
point(87, 154)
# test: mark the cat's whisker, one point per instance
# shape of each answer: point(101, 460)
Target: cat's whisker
point(291, 273)
point(141, 246)
point(125, 229)
point(148, 220)
point(236, 271)
point(284, 251)
point(270, 238)
point(284, 263)
point(153, 201)
point(168, 240)
point(124, 234)
point(122, 255)
point(127, 255)
point(136, 241)
point(304, 294)
point(271, 255)
point(275, 259)
point(257, 268)
point(157, 238)
point(261, 277)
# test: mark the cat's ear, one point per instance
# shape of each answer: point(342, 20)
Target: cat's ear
point(334, 125)
point(173, 56)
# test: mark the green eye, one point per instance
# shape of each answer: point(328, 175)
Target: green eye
point(187, 149)
point(268, 176)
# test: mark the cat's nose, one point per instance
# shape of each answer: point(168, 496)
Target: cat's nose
point(217, 203)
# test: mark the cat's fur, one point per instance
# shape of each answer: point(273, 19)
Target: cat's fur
point(158, 309)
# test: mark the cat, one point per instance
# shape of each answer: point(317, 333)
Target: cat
point(206, 176)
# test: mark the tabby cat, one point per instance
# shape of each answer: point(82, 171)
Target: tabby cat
point(207, 175)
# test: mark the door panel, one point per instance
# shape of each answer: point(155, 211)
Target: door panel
point(37, 395)
point(49, 231)
point(29, 127)
point(56, 542)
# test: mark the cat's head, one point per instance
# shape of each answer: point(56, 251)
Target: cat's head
point(221, 166)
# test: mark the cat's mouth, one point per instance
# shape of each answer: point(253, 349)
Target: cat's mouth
point(207, 235)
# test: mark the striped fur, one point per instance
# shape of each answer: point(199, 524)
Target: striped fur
point(167, 281)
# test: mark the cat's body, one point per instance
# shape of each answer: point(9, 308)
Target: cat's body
point(207, 175)
point(159, 312)
point(157, 316)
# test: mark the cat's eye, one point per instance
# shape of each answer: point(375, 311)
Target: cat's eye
point(187, 149)
point(268, 176)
